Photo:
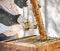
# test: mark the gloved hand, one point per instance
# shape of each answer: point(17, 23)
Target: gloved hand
point(7, 18)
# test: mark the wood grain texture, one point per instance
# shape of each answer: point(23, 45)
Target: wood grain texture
point(38, 17)
point(31, 43)
point(12, 47)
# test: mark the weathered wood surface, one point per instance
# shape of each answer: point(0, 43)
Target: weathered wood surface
point(38, 17)
point(30, 44)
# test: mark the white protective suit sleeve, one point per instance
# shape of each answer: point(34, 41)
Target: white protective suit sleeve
point(12, 8)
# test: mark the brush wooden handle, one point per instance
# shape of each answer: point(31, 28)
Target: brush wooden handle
point(37, 14)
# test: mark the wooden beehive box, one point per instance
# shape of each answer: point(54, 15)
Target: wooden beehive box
point(31, 43)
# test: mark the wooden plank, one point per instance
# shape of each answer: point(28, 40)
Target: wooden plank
point(41, 48)
point(49, 47)
point(37, 14)
point(13, 47)
point(30, 44)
